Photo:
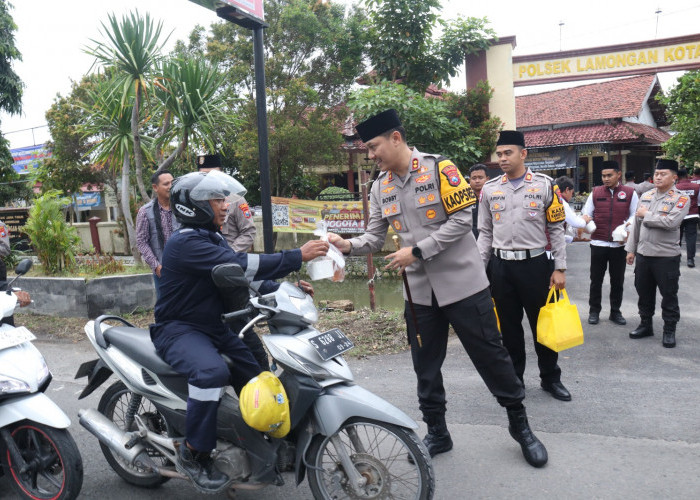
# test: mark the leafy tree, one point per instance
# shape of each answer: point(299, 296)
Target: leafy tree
point(456, 127)
point(11, 87)
point(69, 166)
point(683, 109)
point(313, 54)
point(404, 46)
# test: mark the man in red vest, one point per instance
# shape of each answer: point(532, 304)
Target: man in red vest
point(689, 226)
point(609, 206)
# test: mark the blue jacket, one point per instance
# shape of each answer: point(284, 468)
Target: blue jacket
point(188, 296)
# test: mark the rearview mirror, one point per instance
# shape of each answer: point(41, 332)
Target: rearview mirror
point(23, 267)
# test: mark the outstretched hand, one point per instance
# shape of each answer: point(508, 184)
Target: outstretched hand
point(343, 245)
point(312, 249)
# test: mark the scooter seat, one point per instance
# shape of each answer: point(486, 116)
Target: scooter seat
point(136, 343)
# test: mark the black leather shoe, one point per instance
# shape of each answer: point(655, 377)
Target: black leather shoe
point(557, 390)
point(593, 318)
point(438, 442)
point(618, 318)
point(669, 339)
point(533, 450)
point(643, 330)
point(691, 262)
point(200, 468)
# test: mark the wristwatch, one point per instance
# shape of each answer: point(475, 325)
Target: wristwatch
point(561, 270)
point(417, 253)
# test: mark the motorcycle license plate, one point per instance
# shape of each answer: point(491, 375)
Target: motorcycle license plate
point(331, 343)
point(15, 336)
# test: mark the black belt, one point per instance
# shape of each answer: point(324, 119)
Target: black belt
point(518, 254)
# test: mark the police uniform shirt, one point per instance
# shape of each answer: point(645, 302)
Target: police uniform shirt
point(238, 227)
point(430, 208)
point(515, 218)
point(657, 234)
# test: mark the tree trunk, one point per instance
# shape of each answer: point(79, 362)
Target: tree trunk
point(138, 155)
point(126, 211)
point(170, 159)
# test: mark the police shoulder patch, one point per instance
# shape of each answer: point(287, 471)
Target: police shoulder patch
point(456, 193)
point(555, 211)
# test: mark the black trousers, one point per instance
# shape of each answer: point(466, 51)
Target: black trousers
point(689, 227)
point(517, 286)
point(663, 273)
point(614, 260)
point(474, 322)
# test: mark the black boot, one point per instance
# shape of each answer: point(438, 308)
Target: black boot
point(200, 468)
point(669, 339)
point(533, 450)
point(438, 439)
point(645, 329)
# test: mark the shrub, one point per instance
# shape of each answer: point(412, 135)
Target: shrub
point(55, 241)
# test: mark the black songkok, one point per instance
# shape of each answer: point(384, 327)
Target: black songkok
point(378, 124)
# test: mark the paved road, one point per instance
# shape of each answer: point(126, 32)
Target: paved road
point(631, 431)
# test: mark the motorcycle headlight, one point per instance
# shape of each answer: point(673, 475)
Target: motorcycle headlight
point(9, 385)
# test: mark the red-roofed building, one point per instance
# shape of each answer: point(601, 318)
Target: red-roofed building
point(585, 125)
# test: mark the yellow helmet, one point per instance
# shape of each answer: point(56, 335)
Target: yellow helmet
point(264, 405)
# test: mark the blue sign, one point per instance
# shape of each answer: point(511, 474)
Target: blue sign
point(87, 201)
point(29, 158)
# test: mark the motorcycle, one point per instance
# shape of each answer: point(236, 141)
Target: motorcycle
point(37, 452)
point(352, 443)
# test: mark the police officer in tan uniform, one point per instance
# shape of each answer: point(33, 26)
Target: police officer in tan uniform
point(428, 203)
point(653, 243)
point(516, 210)
point(238, 228)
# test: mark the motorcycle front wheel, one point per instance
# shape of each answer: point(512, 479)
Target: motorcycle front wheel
point(380, 453)
point(120, 405)
point(52, 468)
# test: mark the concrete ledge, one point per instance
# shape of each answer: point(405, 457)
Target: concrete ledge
point(81, 298)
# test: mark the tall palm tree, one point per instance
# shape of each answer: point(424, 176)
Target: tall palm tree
point(109, 127)
point(134, 49)
point(195, 110)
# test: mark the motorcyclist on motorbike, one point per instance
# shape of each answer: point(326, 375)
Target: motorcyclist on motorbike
point(188, 333)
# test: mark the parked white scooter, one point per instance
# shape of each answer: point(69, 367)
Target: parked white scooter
point(36, 451)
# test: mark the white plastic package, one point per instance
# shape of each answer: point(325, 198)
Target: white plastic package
point(620, 234)
point(330, 266)
point(590, 227)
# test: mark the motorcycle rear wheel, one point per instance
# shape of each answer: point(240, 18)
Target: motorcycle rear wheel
point(55, 468)
point(113, 405)
point(379, 452)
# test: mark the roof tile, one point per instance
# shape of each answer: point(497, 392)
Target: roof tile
point(621, 98)
point(621, 132)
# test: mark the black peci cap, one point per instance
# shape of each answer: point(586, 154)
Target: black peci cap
point(664, 164)
point(507, 137)
point(208, 161)
point(378, 124)
point(610, 164)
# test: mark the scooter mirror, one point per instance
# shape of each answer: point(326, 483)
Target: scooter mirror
point(23, 267)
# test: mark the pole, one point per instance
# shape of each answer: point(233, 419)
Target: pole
point(362, 179)
point(264, 162)
point(408, 296)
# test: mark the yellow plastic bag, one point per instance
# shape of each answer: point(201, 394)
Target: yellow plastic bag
point(559, 325)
